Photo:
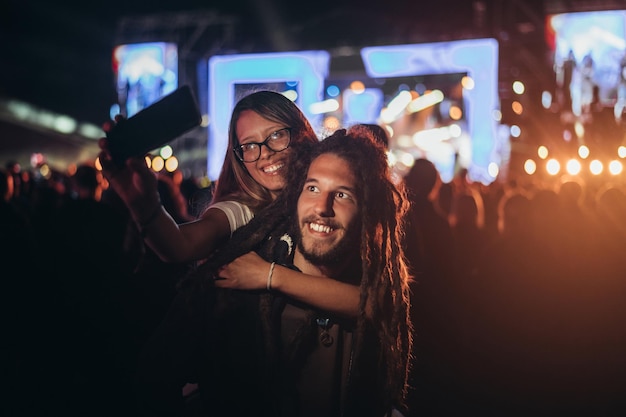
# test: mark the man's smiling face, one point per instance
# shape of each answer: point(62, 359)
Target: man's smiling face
point(328, 212)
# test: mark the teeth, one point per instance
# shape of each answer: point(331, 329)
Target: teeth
point(320, 228)
point(273, 168)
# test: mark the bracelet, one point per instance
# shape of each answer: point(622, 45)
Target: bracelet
point(269, 276)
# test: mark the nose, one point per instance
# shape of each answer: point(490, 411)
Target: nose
point(266, 152)
point(324, 205)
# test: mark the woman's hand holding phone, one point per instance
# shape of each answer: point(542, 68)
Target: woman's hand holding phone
point(134, 182)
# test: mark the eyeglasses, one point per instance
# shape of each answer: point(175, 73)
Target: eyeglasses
point(277, 141)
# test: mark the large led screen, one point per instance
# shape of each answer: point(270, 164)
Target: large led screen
point(589, 57)
point(449, 115)
point(445, 95)
point(301, 74)
point(144, 73)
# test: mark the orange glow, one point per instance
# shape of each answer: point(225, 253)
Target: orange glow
point(615, 167)
point(357, 87)
point(596, 167)
point(553, 167)
point(331, 123)
point(455, 113)
point(158, 164)
point(171, 164)
point(530, 167)
point(573, 167)
point(583, 152)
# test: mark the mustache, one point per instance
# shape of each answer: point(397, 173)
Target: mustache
point(322, 220)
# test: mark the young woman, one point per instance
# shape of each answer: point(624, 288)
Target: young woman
point(266, 130)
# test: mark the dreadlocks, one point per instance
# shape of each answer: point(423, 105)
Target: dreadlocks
point(384, 279)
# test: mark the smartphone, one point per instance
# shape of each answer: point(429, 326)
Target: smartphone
point(152, 127)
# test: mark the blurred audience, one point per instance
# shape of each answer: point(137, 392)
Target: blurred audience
point(430, 250)
point(519, 296)
point(467, 219)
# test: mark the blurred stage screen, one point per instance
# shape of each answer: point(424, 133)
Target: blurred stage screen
point(144, 73)
point(437, 100)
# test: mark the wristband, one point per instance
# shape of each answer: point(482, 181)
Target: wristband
point(269, 276)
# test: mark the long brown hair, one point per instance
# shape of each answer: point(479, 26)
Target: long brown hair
point(384, 281)
point(234, 182)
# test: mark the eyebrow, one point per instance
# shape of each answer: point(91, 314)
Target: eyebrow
point(265, 135)
point(349, 189)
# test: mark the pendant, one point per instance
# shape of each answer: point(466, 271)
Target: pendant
point(325, 338)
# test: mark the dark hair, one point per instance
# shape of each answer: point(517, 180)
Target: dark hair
point(380, 134)
point(421, 178)
point(234, 181)
point(384, 276)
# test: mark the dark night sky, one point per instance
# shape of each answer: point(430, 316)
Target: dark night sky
point(56, 54)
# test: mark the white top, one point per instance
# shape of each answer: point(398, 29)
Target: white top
point(238, 214)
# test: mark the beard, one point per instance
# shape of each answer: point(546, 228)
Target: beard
point(335, 255)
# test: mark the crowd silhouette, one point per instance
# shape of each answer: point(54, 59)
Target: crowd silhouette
point(519, 298)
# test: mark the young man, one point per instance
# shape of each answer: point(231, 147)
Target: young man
point(259, 353)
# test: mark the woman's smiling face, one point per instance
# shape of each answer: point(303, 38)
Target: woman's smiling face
point(269, 169)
